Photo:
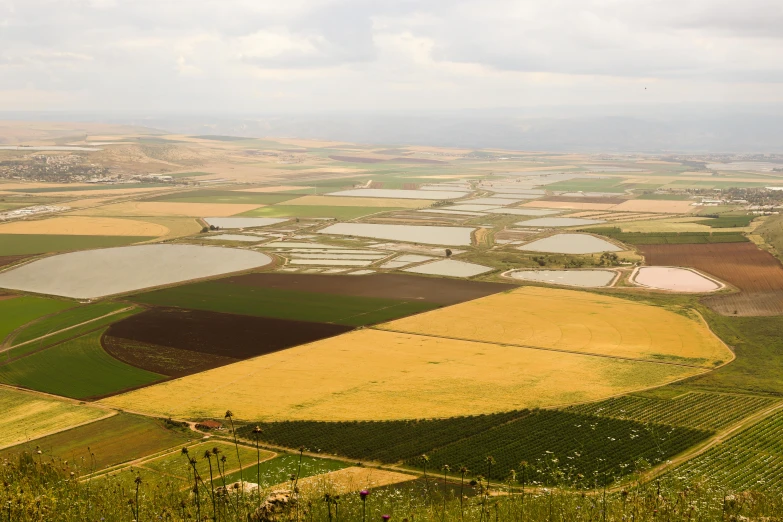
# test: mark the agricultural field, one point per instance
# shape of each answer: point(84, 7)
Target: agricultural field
point(749, 460)
point(224, 196)
point(278, 470)
point(16, 312)
point(306, 211)
point(85, 226)
point(27, 416)
point(53, 370)
point(757, 274)
point(109, 442)
point(575, 322)
point(669, 238)
point(28, 244)
point(233, 296)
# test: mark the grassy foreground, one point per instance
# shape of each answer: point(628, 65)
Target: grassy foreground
point(34, 488)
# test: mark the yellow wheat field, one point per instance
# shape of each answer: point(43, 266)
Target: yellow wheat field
point(374, 375)
point(574, 321)
point(350, 479)
point(345, 201)
point(85, 226)
point(27, 416)
point(163, 208)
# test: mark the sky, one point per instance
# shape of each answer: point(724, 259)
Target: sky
point(253, 56)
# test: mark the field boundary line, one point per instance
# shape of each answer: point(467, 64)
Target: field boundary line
point(705, 368)
point(7, 348)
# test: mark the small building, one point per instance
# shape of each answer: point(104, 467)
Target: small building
point(209, 425)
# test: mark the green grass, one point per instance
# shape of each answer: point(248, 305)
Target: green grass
point(20, 244)
point(727, 221)
point(218, 296)
point(18, 311)
point(772, 232)
point(118, 439)
point(65, 319)
point(79, 369)
point(225, 196)
point(177, 464)
point(279, 469)
point(750, 460)
point(96, 186)
point(668, 238)
point(19, 351)
point(590, 185)
point(707, 411)
point(316, 211)
point(665, 197)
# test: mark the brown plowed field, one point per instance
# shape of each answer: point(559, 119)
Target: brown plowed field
point(757, 273)
point(178, 342)
point(10, 260)
point(386, 286)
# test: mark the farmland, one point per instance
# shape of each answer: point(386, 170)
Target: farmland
point(18, 311)
point(84, 225)
point(237, 298)
point(26, 244)
point(668, 238)
point(53, 369)
point(756, 273)
point(112, 441)
point(28, 416)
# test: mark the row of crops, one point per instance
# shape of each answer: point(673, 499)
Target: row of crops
point(706, 411)
point(752, 459)
point(558, 445)
point(668, 238)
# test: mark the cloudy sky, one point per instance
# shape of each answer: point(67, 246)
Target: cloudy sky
point(292, 55)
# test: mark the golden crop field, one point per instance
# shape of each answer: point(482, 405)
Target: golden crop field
point(346, 201)
point(351, 479)
point(85, 226)
point(375, 375)
point(28, 416)
point(662, 206)
point(576, 322)
point(164, 209)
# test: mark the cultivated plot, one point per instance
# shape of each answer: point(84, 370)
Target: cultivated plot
point(558, 222)
point(242, 222)
point(574, 321)
point(434, 235)
point(401, 194)
point(402, 376)
point(97, 273)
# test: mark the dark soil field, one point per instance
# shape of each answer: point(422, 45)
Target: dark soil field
point(601, 200)
point(386, 286)
point(10, 260)
point(758, 274)
point(178, 342)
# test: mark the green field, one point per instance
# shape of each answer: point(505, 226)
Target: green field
point(668, 238)
point(65, 319)
point(218, 296)
point(279, 469)
point(225, 196)
point(727, 221)
point(316, 211)
point(79, 368)
point(176, 464)
point(18, 311)
point(111, 441)
point(750, 460)
point(705, 411)
point(19, 244)
point(19, 349)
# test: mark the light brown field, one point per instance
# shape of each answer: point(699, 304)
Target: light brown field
point(658, 162)
point(308, 143)
point(576, 322)
point(276, 188)
point(177, 226)
point(351, 479)
point(571, 349)
point(345, 201)
point(667, 207)
point(568, 205)
point(85, 226)
point(164, 209)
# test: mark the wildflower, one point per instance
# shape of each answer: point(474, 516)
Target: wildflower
point(363, 493)
point(385, 517)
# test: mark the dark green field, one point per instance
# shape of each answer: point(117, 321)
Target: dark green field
point(727, 221)
point(279, 469)
point(19, 244)
point(79, 369)
point(217, 296)
point(668, 238)
point(18, 311)
point(65, 319)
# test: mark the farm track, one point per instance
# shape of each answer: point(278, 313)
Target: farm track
point(704, 368)
point(6, 346)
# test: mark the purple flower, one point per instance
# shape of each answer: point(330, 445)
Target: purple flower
point(386, 517)
point(364, 493)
